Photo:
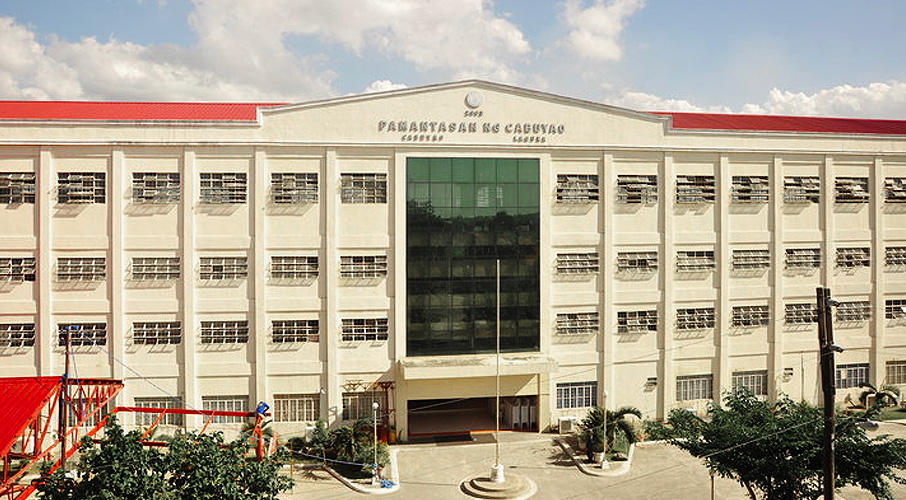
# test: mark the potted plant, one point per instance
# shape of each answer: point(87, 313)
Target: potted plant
point(598, 443)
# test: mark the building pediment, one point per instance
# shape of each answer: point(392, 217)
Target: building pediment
point(469, 112)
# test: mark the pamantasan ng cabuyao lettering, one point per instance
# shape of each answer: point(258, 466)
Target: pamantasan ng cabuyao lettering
point(443, 127)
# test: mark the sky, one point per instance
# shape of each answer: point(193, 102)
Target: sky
point(794, 57)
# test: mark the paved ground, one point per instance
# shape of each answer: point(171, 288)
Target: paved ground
point(434, 472)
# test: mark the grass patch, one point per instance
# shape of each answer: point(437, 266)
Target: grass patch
point(892, 413)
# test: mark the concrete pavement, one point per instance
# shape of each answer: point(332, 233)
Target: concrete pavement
point(435, 471)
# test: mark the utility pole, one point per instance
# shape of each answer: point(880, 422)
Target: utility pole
point(63, 400)
point(826, 349)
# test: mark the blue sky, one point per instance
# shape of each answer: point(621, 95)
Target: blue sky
point(831, 57)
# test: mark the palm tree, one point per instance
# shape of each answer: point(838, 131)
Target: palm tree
point(612, 421)
point(887, 395)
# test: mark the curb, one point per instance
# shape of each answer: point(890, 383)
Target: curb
point(609, 471)
point(369, 489)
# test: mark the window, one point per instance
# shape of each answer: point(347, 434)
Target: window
point(358, 405)
point(637, 321)
point(854, 311)
point(224, 332)
point(223, 188)
point(853, 257)
point(644, 262)
point(363, 266)
point(81, 187)
point(294, 267)
point(801, 189)
point(801, 314)
point(364, 329)
point(695, 261)
point(157, 333)
point(577, 188)
point(895, 309)
point(17, 187)
point(17, 335)
point(297, 407)
point(17, 269)
point(226, 403)
point(577, 263)
point(155, 188)
point(224, 268)
point(896, 372)
point(81, 268)
point(90, 334)
point(755, 381)
point(750, 189)
point(155, 268)
point(363, 188)
point(637, 189)
point(751, 259)
point(851, 190)
point(294, 330)
point(750, 316)
point(577, 323)
point(851, 375)
point(895, 190)
point(169, 403)
point(294, 189)
point(694, 189)
point(577, 395)
point(696, 318)
point(692, 387)
point(803, 258)
point(895, 256)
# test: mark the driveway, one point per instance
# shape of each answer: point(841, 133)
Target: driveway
point(659, 471)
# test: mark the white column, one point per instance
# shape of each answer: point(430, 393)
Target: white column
point(329, 276)
point(667, 265)
point(827, 223)
point(608, 256)
point(722, 378)
point(775, 327)
point(189, 188)
point(876, 356)
point(398, 286)
point(116, 332)
point(258, 277)
point(45, 329)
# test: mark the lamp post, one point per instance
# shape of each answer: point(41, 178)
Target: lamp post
point(374, 408)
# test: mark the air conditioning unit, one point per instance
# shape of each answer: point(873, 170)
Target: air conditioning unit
point(567, 425)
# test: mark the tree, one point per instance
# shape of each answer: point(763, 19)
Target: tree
point(887, 395)
point(611, 422)
point(774, 449)
point(196, 467)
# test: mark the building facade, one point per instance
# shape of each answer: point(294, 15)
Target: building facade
point(328, 255)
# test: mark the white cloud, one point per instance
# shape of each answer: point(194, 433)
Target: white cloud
point(455, 36)
point(642, 101)
point(266, 50)
point(594, 32)
point(875, 100)
point(383, 86)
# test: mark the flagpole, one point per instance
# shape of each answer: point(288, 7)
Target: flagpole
point(497, 470)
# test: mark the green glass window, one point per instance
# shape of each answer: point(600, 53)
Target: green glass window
point(462, 215)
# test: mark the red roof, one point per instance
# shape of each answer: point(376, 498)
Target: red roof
point(248, 112)
point(130, 111)
point(777, 123)
point(21, 398)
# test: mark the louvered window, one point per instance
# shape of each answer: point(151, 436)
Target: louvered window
point(851, 190)
point(695, 261)
point(295, 189)
point(695, 189)
point(637, 321)
point(805, 189)
point(223, 188)
point(17, 187)
point(744, 316)
point(81, 187)
point(155, 188)
point(586, 323)
point(643, 262)
point(750, 189)
point(637, 189)
point(800, 314)
point(577, 188)
point(697, 318)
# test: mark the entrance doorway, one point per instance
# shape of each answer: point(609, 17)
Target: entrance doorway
point(438, 417)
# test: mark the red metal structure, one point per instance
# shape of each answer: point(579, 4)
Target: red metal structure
point(31, 406)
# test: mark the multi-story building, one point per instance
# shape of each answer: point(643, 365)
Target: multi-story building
point(327, 255)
